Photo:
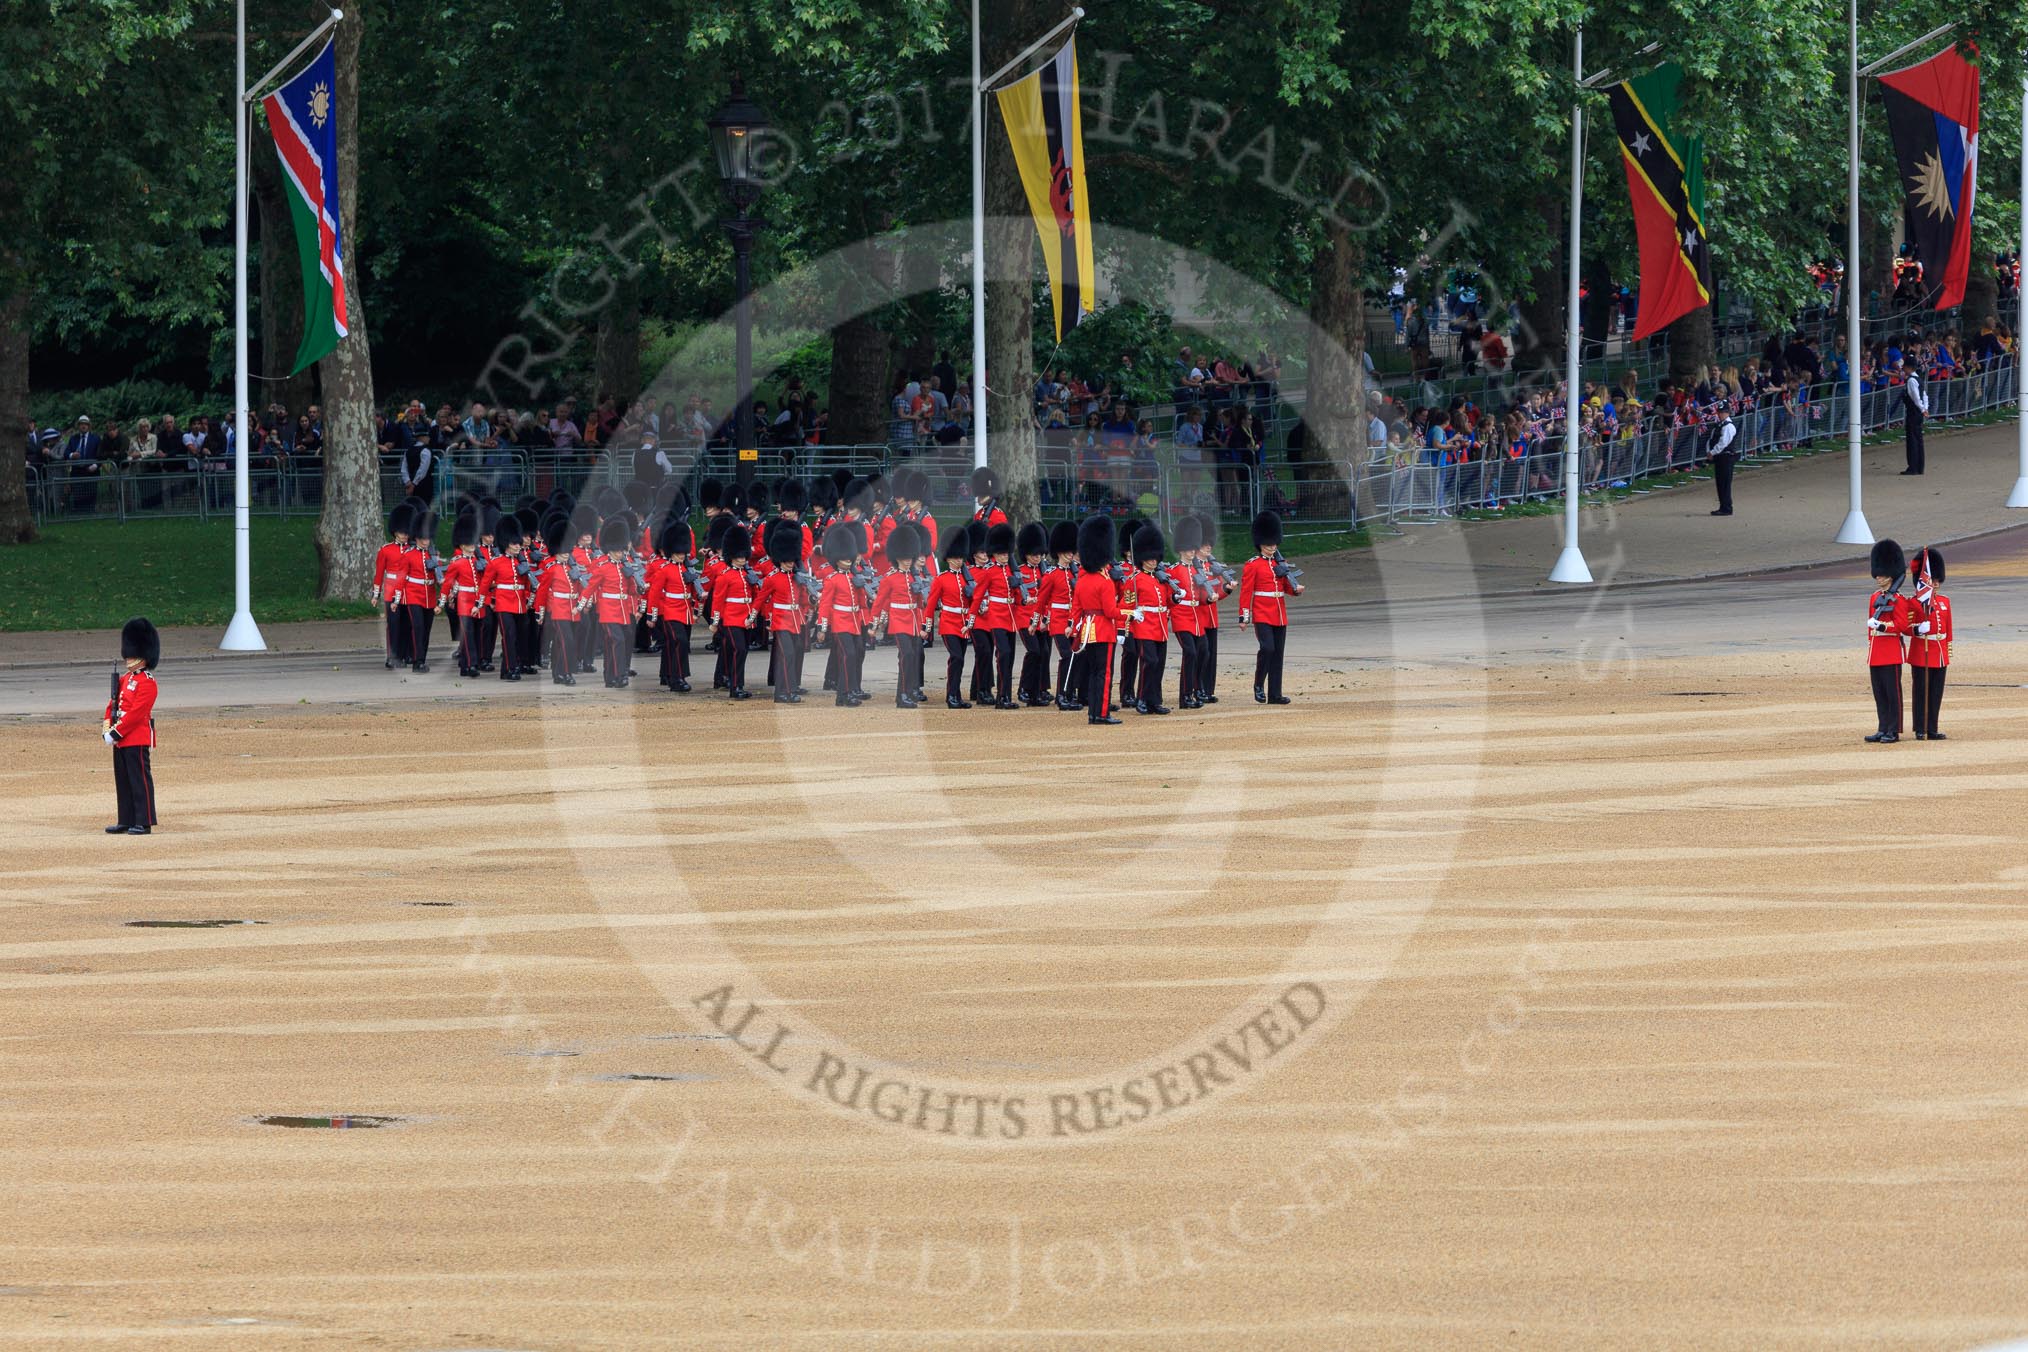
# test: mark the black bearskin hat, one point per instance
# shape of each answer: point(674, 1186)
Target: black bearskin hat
point(839, 478)
point(584, 521)
point(1933, 563)
point(556, 533)
point(1148, 544)
point(1063, 538)
point(422, 525)
point(139, 639)
point(841, 544)
point(464, 531)
point(399, 520)
point(904, 545)
point(733, 500)
point(1095, 543)
point(676, 539)
point(1888, 560)
point(757, 498)
point(910, 485)
point(985, 482)
point(737, 544)
point(785, 542)
point(1267, 530)
point(489, 520)
point(1209, 524)
point(958, 544)
point(507, 533)
point(791, 496)
point(615, 536)
point(714, 534)
point(529, 522)
point(823, 494)
point(639, 497)
point(525, 501)
point(1000, 539)
point(858, 496)
point(1031, 541)
point(609, 500)
point(1189, 534)
point(563, 502)
point(877, 489)
point(710, 493)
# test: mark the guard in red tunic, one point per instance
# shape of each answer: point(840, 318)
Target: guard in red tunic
point(1929, 649)
point(129, 728)
point(1095, 615)
point(1220, 587)
point(1150, 593)
point(671, 596)
point(556, 596)
point(1890, 617)
point(947, 613)
point(387, 574)
point(1031, 555)
point(992, 610)
point(607, 600)
point(460, 599)
point(986, 497)
point(1265, 586)
point(1052, 609)
point(504, 596)
point(898, 608)
point(781, 604)
point(838, 610)
point(1190, 587)
point(732, 608)
point(418, 586)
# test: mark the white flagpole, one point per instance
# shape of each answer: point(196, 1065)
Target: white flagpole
point(242, 635)
point(978, 251)
point(1570, 564)
point(1855, 531)
point(2019, 497)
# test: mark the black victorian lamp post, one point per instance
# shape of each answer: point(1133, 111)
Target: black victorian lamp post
point(736, 132)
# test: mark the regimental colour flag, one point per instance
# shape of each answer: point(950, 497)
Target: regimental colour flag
point(303, 116)
point(1047, 132)
point(1665, 176)
point(1933, 112)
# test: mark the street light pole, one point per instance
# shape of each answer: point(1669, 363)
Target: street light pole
point(1570, 565)
point(2019, 497)
point(736, 131)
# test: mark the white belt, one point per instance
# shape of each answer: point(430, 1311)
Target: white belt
point(463, 588)
point(614, 596)
point(785, 605)
point(1059, 605)
point(845, 608)
point(952, 610)
point(1186, 603)
point(1259, 595)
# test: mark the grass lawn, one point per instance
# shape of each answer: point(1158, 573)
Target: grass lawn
point(93, 575)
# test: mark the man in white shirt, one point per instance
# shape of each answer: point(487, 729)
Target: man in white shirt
point(1724, 458)
point(1915, 407)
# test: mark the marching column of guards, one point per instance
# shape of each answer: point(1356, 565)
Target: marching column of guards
point(1048, 617)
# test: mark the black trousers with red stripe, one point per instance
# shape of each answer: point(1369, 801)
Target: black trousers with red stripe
point(468, 643)
point(513, 646)
point(954, 665)
point(1926, 696)
point(1153, 654)
point(675, 652)
point(908, 666)
point(420, 620)
point(1067, 670)
point(134, 785)
point(1034, 665)
point(1207, 663)
point(1887, 696)
point(1189, 666)
point(616, 641)
point(562, 649)
point(1098, 679)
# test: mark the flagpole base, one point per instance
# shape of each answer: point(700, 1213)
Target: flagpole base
point(1855, 531)
point(1570, 566)
point(2019, 497)
point(243, 635)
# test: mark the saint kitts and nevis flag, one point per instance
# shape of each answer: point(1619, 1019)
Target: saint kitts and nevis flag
point(1047, 133)
point(1933, 113)
point(302, 115)
point(1665, 175)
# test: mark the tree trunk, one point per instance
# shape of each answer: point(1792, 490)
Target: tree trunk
point(349, 530)
point(1982, 299)
point(17, 523)
point(281, 287)
point(1010, 304)
point(1539, 340)
point(859, 352)
point(1693, 345)
point(617, 361)
point(1334, 428)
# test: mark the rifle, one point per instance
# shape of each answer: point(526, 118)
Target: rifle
point(636, 572)
point(965, 572)
point(1224, 573)
point(1884, 603)
point(812, 587)
point(1286, 573)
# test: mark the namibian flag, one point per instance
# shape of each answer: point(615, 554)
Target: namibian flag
point(1933, 111)
point(1666, 178)
point(303, 116)
point(1047, 132)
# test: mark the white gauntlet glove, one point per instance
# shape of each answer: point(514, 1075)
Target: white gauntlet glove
point(1922, 628)
point(111, 737)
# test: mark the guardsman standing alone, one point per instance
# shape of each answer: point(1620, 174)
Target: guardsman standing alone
point(1265, 586)
point(1890, 617)
point(129, 728)
point(1929, 648)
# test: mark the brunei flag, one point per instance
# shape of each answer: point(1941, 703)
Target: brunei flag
point(303, 117)
point(1933, 111)
point(1666, 178)
point(1047, 133)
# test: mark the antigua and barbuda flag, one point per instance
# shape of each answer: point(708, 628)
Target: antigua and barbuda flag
point(1665, 177)
point(303, 116)
point(1046, 128)
point(1933, 111)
